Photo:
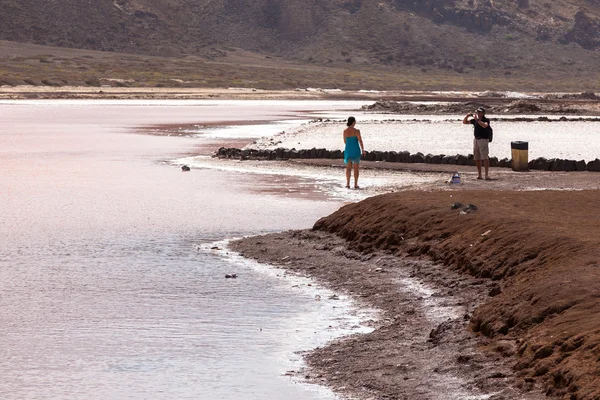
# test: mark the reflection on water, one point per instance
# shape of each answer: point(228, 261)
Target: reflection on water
point(104, 293)
point(140, 319)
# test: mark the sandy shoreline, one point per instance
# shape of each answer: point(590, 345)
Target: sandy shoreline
point(522, 273)
point(421, 348)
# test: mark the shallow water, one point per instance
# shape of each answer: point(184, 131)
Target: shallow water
point(105, 292)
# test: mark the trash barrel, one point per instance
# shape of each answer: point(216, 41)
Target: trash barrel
point(520, 156)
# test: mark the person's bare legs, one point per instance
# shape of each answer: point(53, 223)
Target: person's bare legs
point(348, 172)
point(356, 175)
point(478, 164)
point(486, 164)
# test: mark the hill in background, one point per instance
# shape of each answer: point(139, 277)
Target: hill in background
point(520, 44)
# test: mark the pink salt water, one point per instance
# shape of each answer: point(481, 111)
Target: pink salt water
point(104, 291)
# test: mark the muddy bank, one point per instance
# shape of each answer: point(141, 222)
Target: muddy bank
point(533, 254)
point(421, 348)
point(540, 247)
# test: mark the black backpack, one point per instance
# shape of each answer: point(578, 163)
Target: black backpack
point(490, 132)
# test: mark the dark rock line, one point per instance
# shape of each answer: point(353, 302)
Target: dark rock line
point(541, 163)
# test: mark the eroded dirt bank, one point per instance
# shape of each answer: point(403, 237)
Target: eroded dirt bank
point(521, 272)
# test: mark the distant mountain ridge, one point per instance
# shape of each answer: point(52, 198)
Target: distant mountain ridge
point(507, 37)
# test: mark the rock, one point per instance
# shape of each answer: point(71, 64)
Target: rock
point(570, 165)
point(540, 163)
point(522, 106)
point(185, 168)
point(437, 334)
point(470, 208)
point(464, 160)
point(418, 158)
point(405, 157)
point(495, 291)
point(264, 154)
point(584, 32)
point(593, 165)
point(230, 276)
point(558, 164)
point(391, 156)
point(369, 156)
point(456, 206)
point(450, 160)
point(462, 359)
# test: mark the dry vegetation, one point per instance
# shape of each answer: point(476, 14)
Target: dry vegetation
point(282, 44)
point(57, 67)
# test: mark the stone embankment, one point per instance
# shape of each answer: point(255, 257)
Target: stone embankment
point(542, 164)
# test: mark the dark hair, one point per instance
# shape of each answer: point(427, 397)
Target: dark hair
point(351, 120)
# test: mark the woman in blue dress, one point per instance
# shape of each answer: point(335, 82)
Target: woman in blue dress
point(352, 152)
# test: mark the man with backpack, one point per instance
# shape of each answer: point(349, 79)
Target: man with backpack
point(483, 136)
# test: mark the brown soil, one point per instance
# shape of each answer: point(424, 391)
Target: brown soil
point(522, 270)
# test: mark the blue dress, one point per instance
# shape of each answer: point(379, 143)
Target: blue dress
point(352, 151)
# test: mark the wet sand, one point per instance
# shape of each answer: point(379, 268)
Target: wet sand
point(421, 348)
point(519, 274)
